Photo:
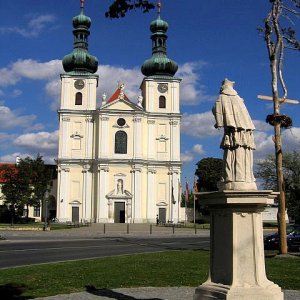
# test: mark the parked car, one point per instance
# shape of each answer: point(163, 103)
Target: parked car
point(271, 242)
point(293, 239)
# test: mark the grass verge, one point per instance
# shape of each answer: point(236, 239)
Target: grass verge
point(180, 268)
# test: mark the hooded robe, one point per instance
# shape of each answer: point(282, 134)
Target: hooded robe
point(238, 141)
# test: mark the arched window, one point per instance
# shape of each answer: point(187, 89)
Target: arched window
point(78, 99)
point(162, 102)
point(121, 142)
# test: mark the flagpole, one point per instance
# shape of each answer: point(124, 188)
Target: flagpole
point(172, 196)
point(185, 203)
point(195, 191)
point(194, 209)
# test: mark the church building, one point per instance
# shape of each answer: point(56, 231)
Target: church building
point(118, 160)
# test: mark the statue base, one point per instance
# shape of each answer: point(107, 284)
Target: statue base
point(235, 185)
point(237, 262)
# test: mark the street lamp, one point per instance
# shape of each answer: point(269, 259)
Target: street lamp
point(46, 210)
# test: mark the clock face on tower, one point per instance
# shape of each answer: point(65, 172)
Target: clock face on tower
point(162, 87)
point(79, 84)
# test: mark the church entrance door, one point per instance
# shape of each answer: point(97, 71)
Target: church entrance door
point(162, 215)
point(119, 212)
point(75, 214)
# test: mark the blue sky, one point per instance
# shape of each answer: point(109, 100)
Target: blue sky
point(210, 40)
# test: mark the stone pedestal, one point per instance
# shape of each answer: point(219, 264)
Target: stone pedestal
point(237, 264)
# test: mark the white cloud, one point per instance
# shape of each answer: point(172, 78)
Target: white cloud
point(265, 144)
point(33, 28)
point(30, 69)
point(109, 76)
point(187, 157)
point(43, 142)
point(16, 93)
point(262, 126)
point(191, 92)
point(12, 119)
point(11, 158)
point(199, 125)
point(198, 149)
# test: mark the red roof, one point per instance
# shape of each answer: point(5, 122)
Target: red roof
point(116, 95)
point(2, 180)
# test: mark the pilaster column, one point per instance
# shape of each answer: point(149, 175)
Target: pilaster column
point(137, 137)
point(89, 143)
point(151, 196)
point(87, 193)
point(136, 176)
point(175, 141)
point(174, 190)
point(103, 147)
point(151, 139)
point(64, 138)
point(63, 194)
point(175, 97)
point(102, 190)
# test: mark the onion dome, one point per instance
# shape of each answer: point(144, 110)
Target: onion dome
point(159, 25)
point(159, 64)
point(80, 60)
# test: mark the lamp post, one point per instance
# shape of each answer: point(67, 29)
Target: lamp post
point(46, 211)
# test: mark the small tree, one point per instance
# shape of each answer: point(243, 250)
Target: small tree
point(209, 172)
point(40, 177)
point(291, 172)
point(15, 190)
point(25, 184)
point(279, 37)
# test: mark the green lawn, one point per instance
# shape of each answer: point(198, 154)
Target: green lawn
point(180, 268)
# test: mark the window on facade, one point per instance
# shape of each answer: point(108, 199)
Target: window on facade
point(162, 102)
point(121, 122)
point(36, 211)
point(121, 142)
point(78, 99)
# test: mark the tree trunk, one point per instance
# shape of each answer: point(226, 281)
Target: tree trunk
point(280, 182)
point(279, 167)
point(27, 211)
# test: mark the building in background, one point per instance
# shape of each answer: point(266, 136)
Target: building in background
point(118, 161)
point(46, 207)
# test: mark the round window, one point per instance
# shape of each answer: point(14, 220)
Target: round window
point(121, 122)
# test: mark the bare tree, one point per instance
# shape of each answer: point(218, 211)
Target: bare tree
point(278, 38)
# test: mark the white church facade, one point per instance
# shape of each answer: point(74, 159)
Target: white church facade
point(118, 161)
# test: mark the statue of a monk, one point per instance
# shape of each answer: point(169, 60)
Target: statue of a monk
point(238, 142)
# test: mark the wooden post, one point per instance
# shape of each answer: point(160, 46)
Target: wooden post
point(279, 168)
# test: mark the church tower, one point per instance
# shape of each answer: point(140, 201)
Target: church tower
point(160, 90)
point(119, 162)
point(76, 126)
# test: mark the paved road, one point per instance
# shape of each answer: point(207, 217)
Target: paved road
point(20, 253)
point(34, 247)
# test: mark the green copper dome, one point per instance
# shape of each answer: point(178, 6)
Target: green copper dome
point(159, 25)
point(159, 63)
point(82, 21)
point(80, 60)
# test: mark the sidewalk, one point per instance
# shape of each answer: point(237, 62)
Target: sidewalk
point(105, 230)
point(147, 293)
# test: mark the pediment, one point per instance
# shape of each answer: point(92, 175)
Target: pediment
point(121, 104)
point(112, 195)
